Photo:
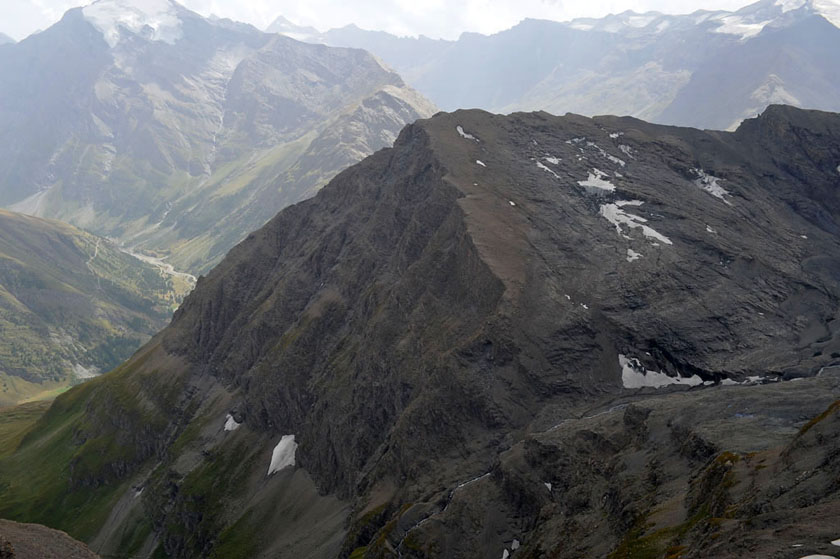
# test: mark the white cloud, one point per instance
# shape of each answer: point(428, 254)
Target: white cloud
point(434, 18)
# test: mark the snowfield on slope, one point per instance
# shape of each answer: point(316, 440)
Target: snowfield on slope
point(618, 217)
point(634, 375)
point(283, 455)
point(158, 19)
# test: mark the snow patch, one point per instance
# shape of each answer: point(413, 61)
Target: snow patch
point(634, 375)
point(838, 169)
point(283, 454)
point(546, 169)
point(710, 230)
point(231, 424)
point(618, 217)
point(626, 150)
point(750, 381)
point(615, 135)
point(511, 202)
point(606, 155)
point(709, 184)
point(632, 255)
point(505, 554)
point(740, 26)
point(836, 542)
point(640, 21)
point(595, 182)
point(788, 5)
point(556, 160)
point(479, 162)
point(547, 485)
point(514, 545)
point(154, 19)
point(465, 135)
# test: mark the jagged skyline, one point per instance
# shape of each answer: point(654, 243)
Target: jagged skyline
point(434, 18)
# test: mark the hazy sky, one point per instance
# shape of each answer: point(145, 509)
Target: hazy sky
point(435, 18)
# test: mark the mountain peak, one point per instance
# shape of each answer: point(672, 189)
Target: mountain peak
point(751, 20)
point(156, 20)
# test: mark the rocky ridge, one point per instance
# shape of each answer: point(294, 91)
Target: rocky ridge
point(502, 330)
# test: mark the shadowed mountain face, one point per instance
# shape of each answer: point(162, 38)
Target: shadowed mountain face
point(178, 134)
point(71, 306)
point(706, 69)
point(441, 328)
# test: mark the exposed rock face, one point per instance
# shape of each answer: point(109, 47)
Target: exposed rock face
point(473, 264)
point(441, 327)
point(31, 541)
point(181, 134)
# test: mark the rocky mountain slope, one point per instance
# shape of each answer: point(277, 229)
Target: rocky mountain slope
point(178, 134)
point(72, 305)
point(522, 336)
point(706, 69)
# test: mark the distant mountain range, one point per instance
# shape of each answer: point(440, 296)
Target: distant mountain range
point(706, 69)
point(178, 135)
point(5, 39)
point(72, 305)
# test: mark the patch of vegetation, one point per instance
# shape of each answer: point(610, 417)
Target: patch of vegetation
point(74, 463)
point(16, 421)
point(198, 516)
point(639, 544)
point(36, 478)
point(133, 538)
point(833, 408)
point(238, 541)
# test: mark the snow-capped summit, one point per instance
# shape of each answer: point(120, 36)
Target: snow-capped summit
point(829, 9)
point(753, 19)
point(156, 20)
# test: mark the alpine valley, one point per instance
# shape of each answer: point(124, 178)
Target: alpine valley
point(177, 135)
point(505, 336)
point(72, 306)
